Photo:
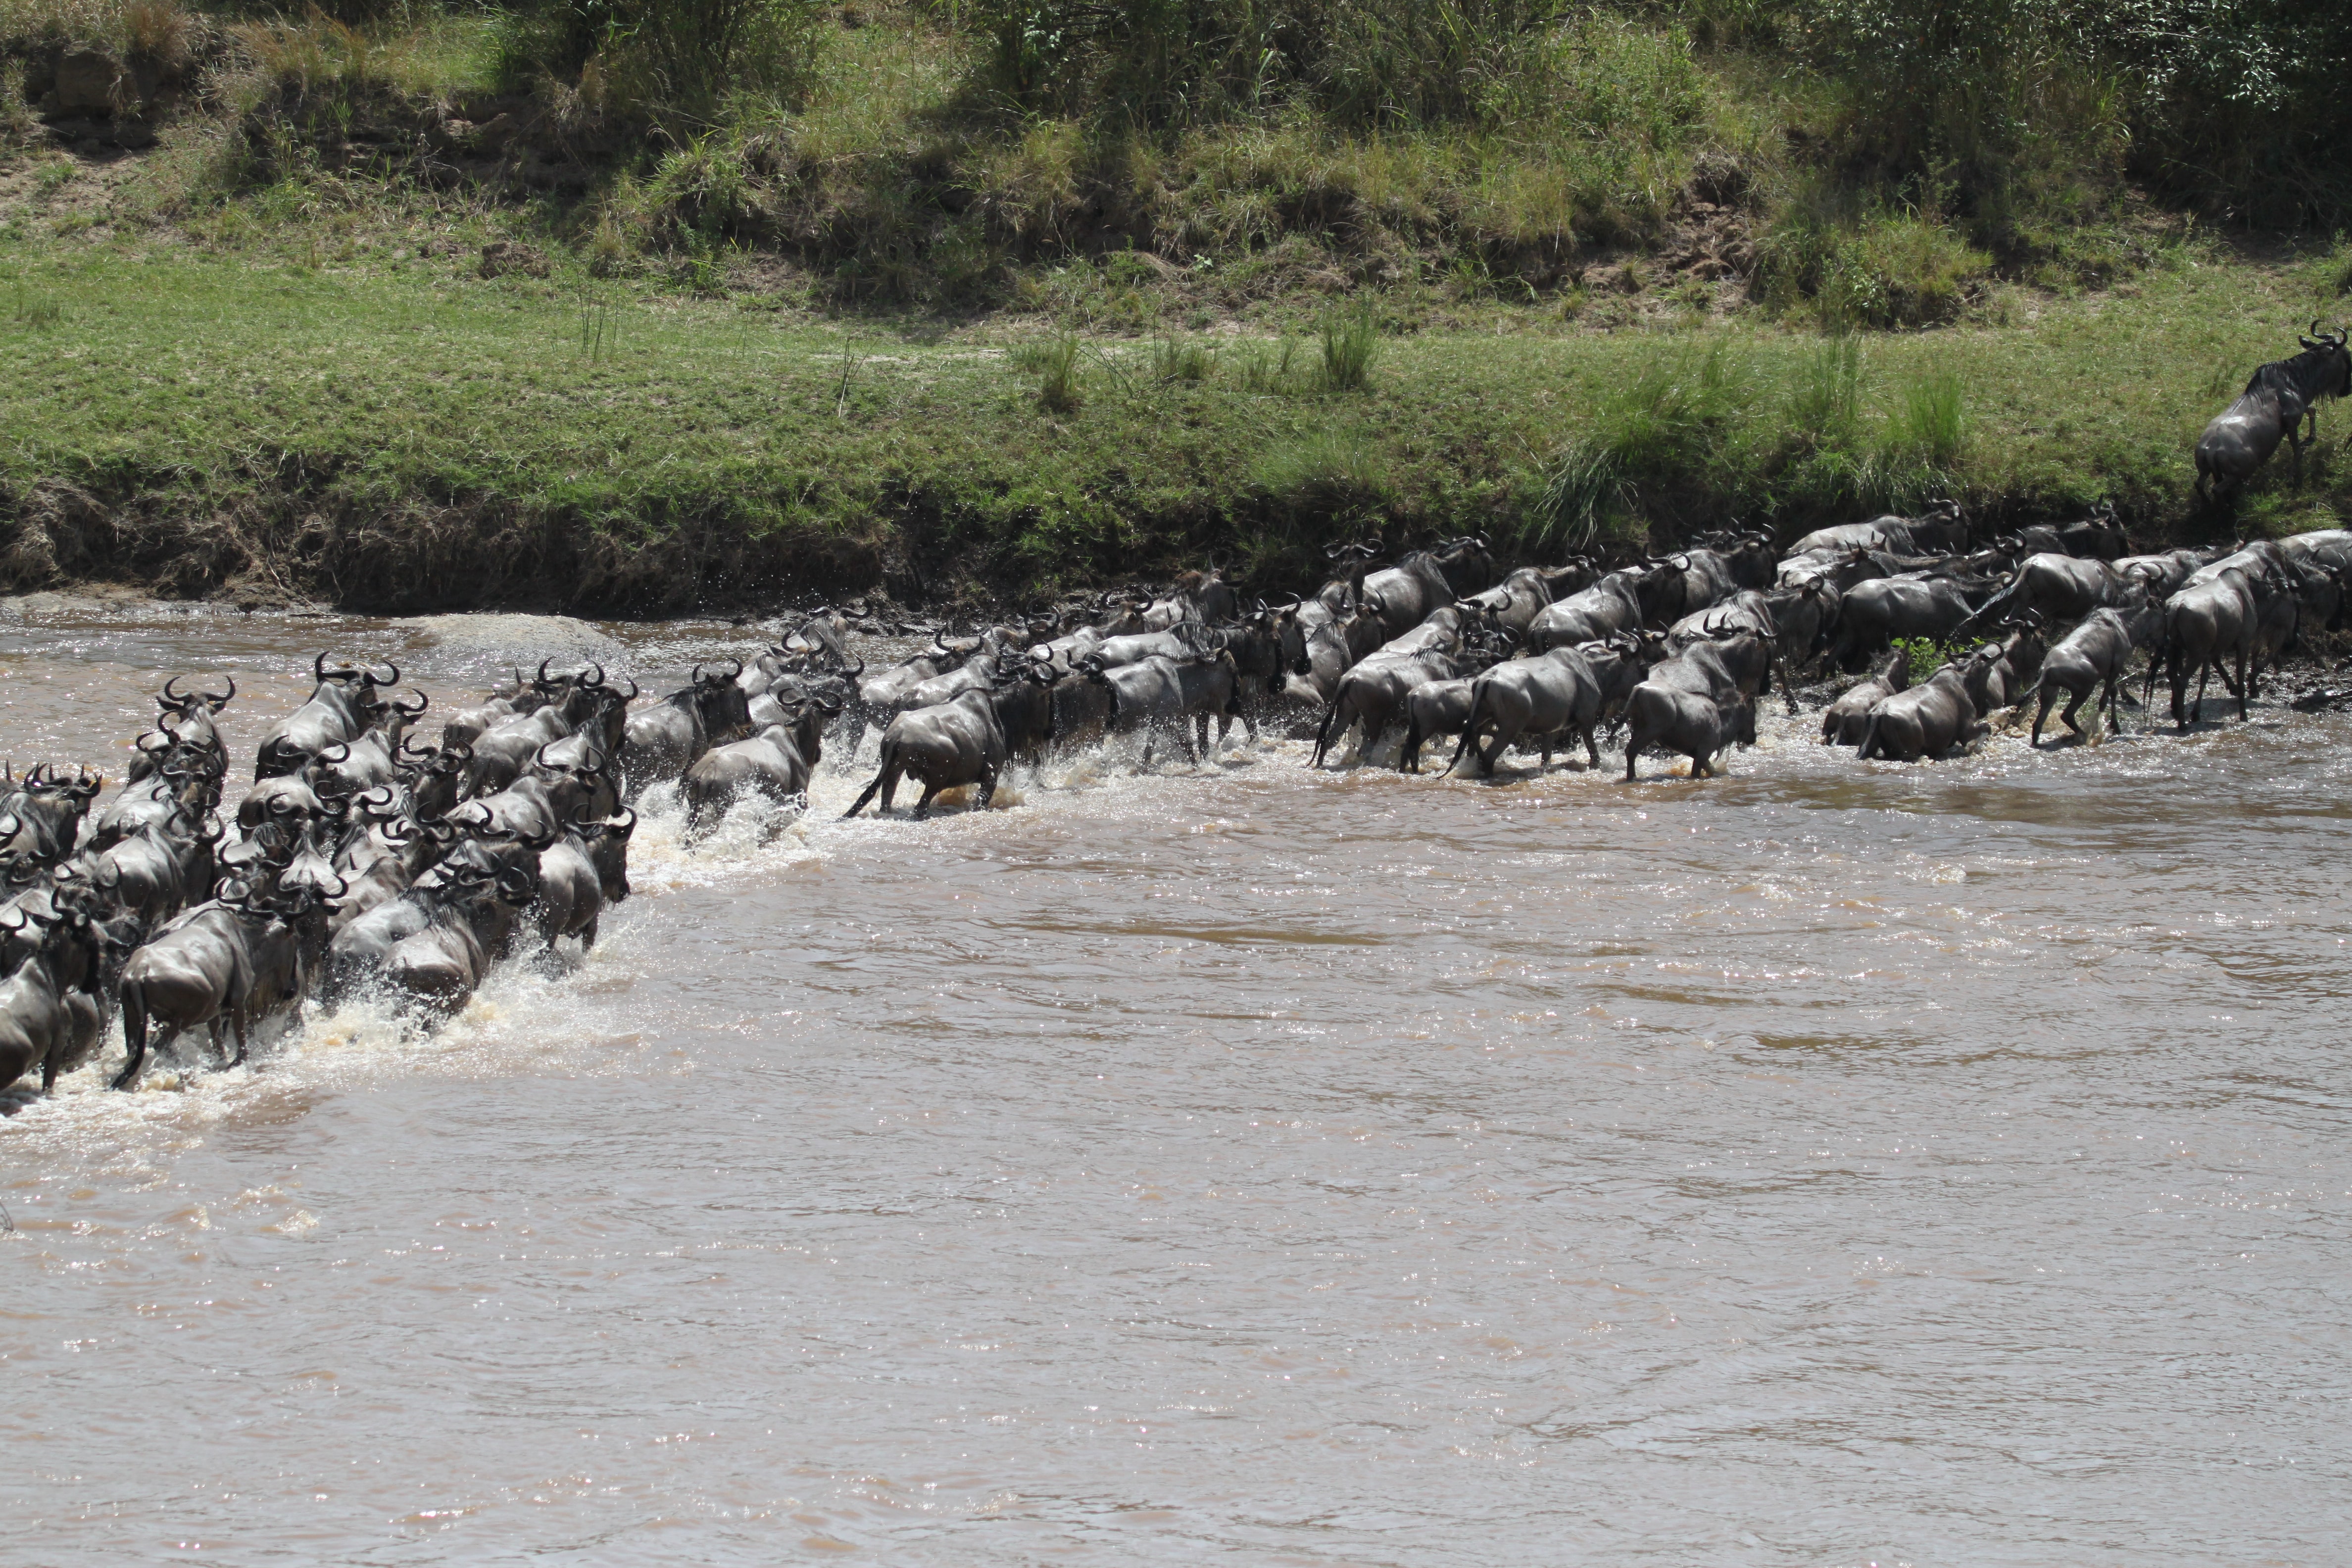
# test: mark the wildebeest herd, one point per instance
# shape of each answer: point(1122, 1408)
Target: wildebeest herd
point(363, 859)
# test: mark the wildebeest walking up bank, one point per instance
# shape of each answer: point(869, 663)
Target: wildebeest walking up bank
point(2279, 399)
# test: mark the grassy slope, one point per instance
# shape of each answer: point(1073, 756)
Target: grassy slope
point(203, 388)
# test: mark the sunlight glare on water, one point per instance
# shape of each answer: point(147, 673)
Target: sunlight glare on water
point(1826, 1164)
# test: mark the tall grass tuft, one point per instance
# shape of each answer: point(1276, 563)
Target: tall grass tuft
point(1825, 404)
point(1267, 370)
point(1582, 491)
point(1351, 341)
point(1928, 423)
point(1055, 362)
point(1177, 360)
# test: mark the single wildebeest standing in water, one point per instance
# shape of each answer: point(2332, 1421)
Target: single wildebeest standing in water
point(1926, 719)
point(2092, 656)
point(1697, 727)
point(1845, 719)
point(2278, 400)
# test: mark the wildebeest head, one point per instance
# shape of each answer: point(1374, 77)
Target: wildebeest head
point(724, 705)
point(2335, 365)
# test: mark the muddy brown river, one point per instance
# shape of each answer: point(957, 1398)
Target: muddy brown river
point(1831, 1164)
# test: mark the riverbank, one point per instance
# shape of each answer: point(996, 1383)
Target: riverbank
point(397, 432)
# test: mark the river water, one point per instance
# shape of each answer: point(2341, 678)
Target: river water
point(1827, 1164)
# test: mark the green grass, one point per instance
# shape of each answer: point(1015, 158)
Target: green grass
point(347, 410)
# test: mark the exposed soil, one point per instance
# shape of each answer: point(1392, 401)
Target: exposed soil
point(284, 551)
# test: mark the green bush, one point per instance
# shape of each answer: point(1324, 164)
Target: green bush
point(669, 58)
point(1173, 62)
point(1870, 269)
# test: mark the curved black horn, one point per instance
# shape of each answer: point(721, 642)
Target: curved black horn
point(392, 679)
point(319, 665)
point(541, 679)
point(220, 699)
point(172, 699)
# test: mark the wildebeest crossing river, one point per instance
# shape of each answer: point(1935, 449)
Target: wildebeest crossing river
point(1827, 1163)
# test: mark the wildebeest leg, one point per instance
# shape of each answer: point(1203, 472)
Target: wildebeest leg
point(2245, 683)
point(1545, 766)
point(2177, 674)
point(2196, 715)
point(2074, 706)
point(987, 788)
point(1699, 769)
point(1409, 757)
point(2043, 714)
point(923, 806)
point(237, 1025)
point(588, 933)
point(1591, 751)
point(1632, 750)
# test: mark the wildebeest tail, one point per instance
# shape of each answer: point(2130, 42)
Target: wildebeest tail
point(1869, 747)
point(889, 764)
point(1478, 689)
point(134, 1030)
point(1323, 732)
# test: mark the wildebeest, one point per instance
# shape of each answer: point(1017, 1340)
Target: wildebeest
point(2164, 574)
point(208, 967)
point(185, 719)
point(2278, 399)
point(964, 742)
point(1372, 691)
point(1160, 695)
point(1401, 597)
point(1925, 721)
point(47, 810)
point(2055, 587)
point(1875, 612)
point(773, 764)
point(1738, 663)
point(1438, 708)
point(1698, 727)
point(1715, 571)
point(661, 741)
point(39, 1024)
point(342, 707)
point(1845, 719)
point(2204, 623)
point(1940, 528)
point(1317, 652)
point(1514, 602)
point(2093, 657)
point(467, 725)
point(440, 964)
point(2001, 673)
point(575, 883)
point(1625, 600)
point(1560, 694)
